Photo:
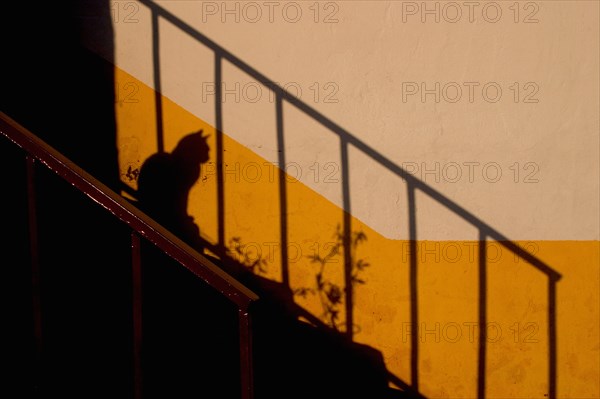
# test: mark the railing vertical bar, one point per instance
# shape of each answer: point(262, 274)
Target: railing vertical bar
point(136, 273)
point(285, 277)
point(482, 315)
point(247, 378)
point(347, 238)
point(551, 338)
point(413, 286)
point(220, 149)
point(35, 266)
point(157, 82)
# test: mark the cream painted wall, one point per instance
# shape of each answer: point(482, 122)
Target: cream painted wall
point(360, 64)
point(358, 72)
point(365, 70)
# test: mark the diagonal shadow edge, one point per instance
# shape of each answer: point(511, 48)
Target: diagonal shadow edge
point(413, 183)
point(348, 138)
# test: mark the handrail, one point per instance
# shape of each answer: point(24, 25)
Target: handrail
point(127, 213)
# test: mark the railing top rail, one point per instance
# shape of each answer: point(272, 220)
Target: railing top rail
point(127, 213)
point(412, 181)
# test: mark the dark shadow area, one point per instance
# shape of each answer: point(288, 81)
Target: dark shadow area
point(190, 341)
point(67, 310)
point(19, 355)
point(190, 330)
point(53, 85)
point(85, 290)
point(190, 333)
point(78, 344)
point(414, 304)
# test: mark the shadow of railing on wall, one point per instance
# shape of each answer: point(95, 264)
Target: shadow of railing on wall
point(347, 141)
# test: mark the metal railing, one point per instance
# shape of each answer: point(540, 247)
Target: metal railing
point(142, 226)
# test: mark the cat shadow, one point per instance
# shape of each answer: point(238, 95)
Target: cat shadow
point(191, 341)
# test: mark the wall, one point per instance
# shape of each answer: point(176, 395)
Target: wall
point(494, 106)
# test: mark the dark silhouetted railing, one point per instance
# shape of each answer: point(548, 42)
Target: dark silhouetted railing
point(38, 152)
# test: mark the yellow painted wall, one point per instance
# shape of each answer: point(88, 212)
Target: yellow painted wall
point(356, 63)
point(448, 271)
